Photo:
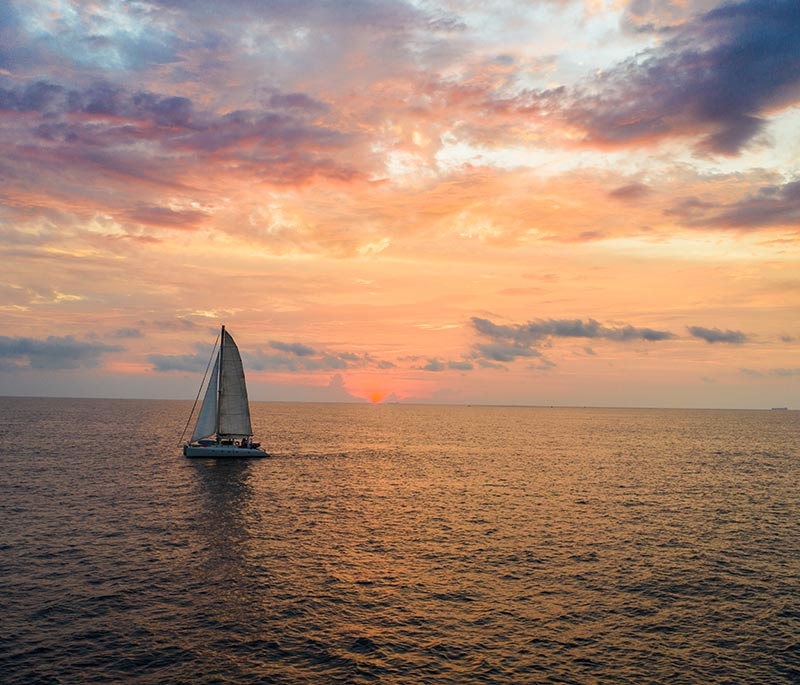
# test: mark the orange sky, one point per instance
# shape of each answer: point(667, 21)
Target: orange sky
point(531, 203)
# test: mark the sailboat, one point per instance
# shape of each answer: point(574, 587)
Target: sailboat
point(223, 425)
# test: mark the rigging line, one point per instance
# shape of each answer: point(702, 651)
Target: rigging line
point(199, 390)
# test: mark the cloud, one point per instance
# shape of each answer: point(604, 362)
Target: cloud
point(128, 333)
point(297, 349)
point(297, 101)
point(436, 365)
point(779, 372)
point(512, 341)
point(773, 205)
point(178, 362)
point(102, 101)
point(87, 37)
point(542, 365)
point(486, 364)
point(337, 390)
point(262, 361)
point(630, 192)
point(785, 373)
point(432, 365)
point(54, 352)
point(151, 147)
point(625, 333)
point(255, 361)
point(286, 357)
point(532, 331)
point(715, 335)
point(314, 14)
point(503, 351)
point(692, 84)
point(166, 217)
point(298, 357)
point(661, 16)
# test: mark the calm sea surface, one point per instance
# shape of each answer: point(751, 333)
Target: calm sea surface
point(400, 544)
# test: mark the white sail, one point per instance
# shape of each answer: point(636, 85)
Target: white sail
point(234, 410)
point(207, 418)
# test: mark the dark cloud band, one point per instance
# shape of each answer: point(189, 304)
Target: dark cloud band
point(527, 333)
point(716, 335)
point(54, 352)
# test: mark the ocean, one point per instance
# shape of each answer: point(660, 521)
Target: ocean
point(400, 544)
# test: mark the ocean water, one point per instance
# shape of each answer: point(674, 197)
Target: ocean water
point(400, 544)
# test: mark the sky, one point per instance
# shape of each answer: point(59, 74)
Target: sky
point(552, 202)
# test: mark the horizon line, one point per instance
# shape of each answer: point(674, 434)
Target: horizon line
point(409, 403)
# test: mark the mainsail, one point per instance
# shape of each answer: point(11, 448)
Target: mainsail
point(225, 410)
point(234, 410)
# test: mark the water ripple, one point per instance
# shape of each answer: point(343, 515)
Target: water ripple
point(401, 544)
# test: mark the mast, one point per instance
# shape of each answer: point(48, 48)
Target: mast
point(219, 380)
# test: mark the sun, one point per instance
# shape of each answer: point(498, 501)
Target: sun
point(376, 396)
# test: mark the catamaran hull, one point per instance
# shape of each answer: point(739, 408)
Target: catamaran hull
point(222, 451)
